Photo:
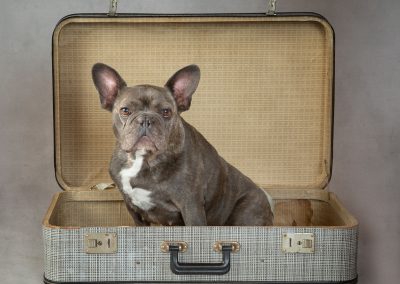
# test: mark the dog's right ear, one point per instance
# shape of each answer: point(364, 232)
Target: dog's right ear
point(108, 82)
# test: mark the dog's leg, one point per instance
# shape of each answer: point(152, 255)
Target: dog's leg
point(253, 209)
point(194, 214)
point(137, 218)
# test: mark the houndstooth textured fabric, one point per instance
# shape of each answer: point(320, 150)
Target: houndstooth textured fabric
point(260, 258)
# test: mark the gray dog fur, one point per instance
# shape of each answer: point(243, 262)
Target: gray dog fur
point(166, 170)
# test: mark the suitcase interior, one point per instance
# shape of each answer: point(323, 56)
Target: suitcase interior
point(264, 101)
point(107, 209)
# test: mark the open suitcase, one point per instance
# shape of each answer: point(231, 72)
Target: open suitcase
point(265, 101)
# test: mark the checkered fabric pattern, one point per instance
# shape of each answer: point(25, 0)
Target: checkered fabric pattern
point(260, 258)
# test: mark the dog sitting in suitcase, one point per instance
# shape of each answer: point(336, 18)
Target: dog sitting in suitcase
point(167, 171)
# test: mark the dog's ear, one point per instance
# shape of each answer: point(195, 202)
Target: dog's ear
point(108, 82)
point(183, 84)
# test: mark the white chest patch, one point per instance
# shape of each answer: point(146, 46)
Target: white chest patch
point(139, 196)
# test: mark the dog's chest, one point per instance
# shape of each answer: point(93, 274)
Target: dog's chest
point(140, 197)
point(152, 202)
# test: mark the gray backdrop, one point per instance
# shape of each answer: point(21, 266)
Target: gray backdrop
point(366, 171)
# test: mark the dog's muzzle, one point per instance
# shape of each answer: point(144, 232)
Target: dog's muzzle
point(142, 133)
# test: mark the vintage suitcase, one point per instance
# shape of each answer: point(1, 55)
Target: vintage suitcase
point(265, 101)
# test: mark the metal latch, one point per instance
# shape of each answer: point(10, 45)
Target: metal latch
point(101, 243)
point(298, 243)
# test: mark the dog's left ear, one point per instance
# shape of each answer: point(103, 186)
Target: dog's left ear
point(183, 84)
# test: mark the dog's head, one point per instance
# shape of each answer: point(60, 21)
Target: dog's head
point(145, 117)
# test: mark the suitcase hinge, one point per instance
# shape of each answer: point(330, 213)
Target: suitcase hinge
point(271, 9)
point(113, 8)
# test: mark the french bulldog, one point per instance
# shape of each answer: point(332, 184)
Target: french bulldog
point(168, 173)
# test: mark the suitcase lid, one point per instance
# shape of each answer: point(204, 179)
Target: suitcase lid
point(264, 101)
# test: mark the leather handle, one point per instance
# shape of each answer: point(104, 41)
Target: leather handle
point(220, 268)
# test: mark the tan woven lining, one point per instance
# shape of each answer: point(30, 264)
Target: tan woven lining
point(264, 100)
point(107, 209)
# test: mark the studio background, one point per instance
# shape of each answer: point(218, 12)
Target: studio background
point(366, 163)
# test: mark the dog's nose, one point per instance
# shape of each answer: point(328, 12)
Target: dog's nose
point(145, 122)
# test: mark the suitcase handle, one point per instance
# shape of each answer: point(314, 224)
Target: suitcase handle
point(220, 268)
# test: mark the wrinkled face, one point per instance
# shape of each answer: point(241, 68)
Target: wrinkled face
point(146, 118)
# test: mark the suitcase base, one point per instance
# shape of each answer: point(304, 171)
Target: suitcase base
point(354, 281)
point(140, 259)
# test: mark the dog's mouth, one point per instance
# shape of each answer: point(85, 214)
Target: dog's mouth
point(143, 133)
point(144, 143)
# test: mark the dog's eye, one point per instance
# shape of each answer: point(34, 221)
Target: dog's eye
point(124, 111)
point(166, 112)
